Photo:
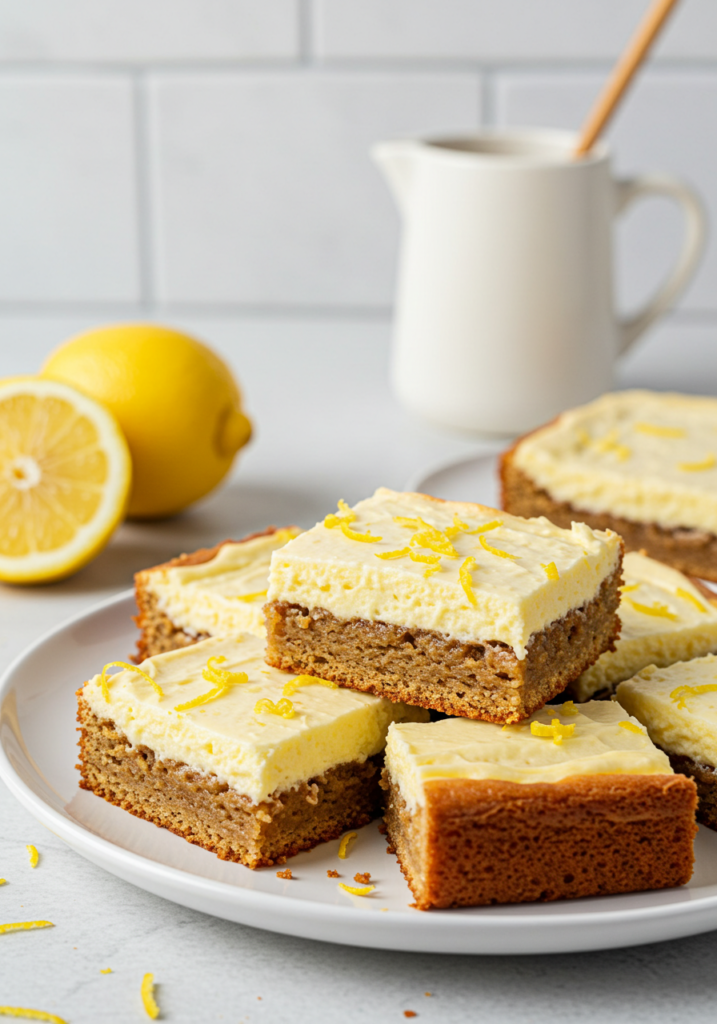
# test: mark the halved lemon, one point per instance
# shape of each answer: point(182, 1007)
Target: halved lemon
point(65, 475)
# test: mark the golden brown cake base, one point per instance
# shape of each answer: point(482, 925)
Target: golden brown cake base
point(483, 842)
point(427, 669)
point(705, 778)
point(693, 552)
point(209, 813)
point(158, 633)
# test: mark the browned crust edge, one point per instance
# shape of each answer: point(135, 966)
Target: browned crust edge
point(705, 778)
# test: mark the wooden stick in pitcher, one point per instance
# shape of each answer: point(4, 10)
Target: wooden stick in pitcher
point(623, 73)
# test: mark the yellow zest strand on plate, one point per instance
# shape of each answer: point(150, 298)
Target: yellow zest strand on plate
point(568, 708)
point(401, 553)
point(251, 597)
point(346, 841)
point(223, 681)
point(698, 467)
point(494, 551)
point(34, 855)
point(284, 708)
point(24, 926)
point(107, 970)
point(290, 688)
point(466, 580)
point(104, 681)
point(628, 587)
point(3, 881)
point(148, 1000)
point(661, 611)
point(631, 727)
point(26, 1014)
point(681, 694)
point(551, 571)
point(356, 890)
point(685, 595)
point(555, 731)
point(651, 428)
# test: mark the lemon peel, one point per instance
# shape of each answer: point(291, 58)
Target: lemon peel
point(427, 536)
point(698, 467)
point(431, 570)
point(251, 597)
point(290, 688)
point(680, 695)
point(659, 610)
point(555, 731)
point(686, 596)
point(284, 708)
point(3, 881)
point(34, 855)
point(611, 446)
point(342, 522)
point(148, 1001)
point(356, 890)
point(106, 970)
point(223, 681)
point(551, 571)
point(494, 551)
point(466, 580)
point(568, 708)
point(104, 681)
point(656, 431)
point(486, 527)
point(346, 841)
point(631, 727)
point(23, 1011)
point(426, 559)
point(24, 926)
point(400, 553)
point(628, 587)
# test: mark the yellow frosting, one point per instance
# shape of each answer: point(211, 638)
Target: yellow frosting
point(417, 754)
point(683, 724)
point(683, 625)
point(255, 753)
point(212, 597)
point(494, 586)
point(644, 456)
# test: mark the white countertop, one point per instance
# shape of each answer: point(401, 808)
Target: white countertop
point(327, 428)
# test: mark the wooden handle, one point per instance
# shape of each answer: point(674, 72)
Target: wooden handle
point(622, 74)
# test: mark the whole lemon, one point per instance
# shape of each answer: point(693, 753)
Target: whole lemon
point(176, 401)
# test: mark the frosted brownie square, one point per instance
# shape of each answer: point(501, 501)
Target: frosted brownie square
point(666, 617)
point(444, 605)
point(678, 707)
point(217, 591)
point(574, 802)
point(640, 463)
point(248, 762)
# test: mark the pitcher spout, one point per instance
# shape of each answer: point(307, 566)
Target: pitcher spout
point(397, 160)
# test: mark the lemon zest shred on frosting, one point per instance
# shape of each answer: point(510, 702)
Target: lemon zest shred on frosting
point(343, 522)
point(687, 596)
point(466, 580)
point(104, 681)
point(24, 926)
point(626, 588)
point(611, 446)
point(290, 688)
point(659, 610)
point(555, 731)
point(680, 695)
point(431, 570)
point(346, 841)
point(223, 680)
point(551, 570)
point(400, 553)
point(698, 467)
point(250, 597)
point(27, 1014)
point(148, 1000)
point(283, 707)
point(33, 854)
point(631, 727)
point(656, 431)
point(426, 559)
point(434, 541)
point(494, 551)
point(355, 890)
point(492, 525)
point(568, 708)
point(366, 538)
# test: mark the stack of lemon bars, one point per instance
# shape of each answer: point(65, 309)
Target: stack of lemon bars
point(399, 659)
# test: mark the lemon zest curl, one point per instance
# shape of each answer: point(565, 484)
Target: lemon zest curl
point(659, 610)
point(223, 681)
point(631, 727)
point(24, 926)
point(27, 1014)
point(34, 855)
point(355, 890)
point(466, 580)
point(148, 1000)
point(104, 680)
point(284, 708)
point(346, 841)
point(293, 685)
point(494, 551)
point(555, 731)
point(680, 695)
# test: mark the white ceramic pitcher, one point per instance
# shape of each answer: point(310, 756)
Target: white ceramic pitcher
point(505, 311)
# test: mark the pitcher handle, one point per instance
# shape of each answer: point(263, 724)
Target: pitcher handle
point(627, 191)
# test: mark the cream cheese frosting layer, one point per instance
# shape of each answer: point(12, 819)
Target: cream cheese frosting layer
point(460, 748)
point(255, 753)
point(665, 618)
point(644, 456)
point(522, 574)
point(225, 595)
point(678, 706)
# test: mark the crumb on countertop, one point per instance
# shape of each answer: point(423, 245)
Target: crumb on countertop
point(332, 874)
point(285, 874)
point(364, 877)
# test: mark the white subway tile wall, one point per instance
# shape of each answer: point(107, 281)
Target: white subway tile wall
point(169, 155)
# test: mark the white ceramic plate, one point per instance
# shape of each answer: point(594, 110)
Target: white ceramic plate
point(474, 478)
point(37, 759)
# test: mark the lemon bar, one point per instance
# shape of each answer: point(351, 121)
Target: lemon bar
point(678, 707)
point(444, 605)
point(243, 760)
point(666, 617)
point(215, 591)
point(640, 463)
point(573, 802)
